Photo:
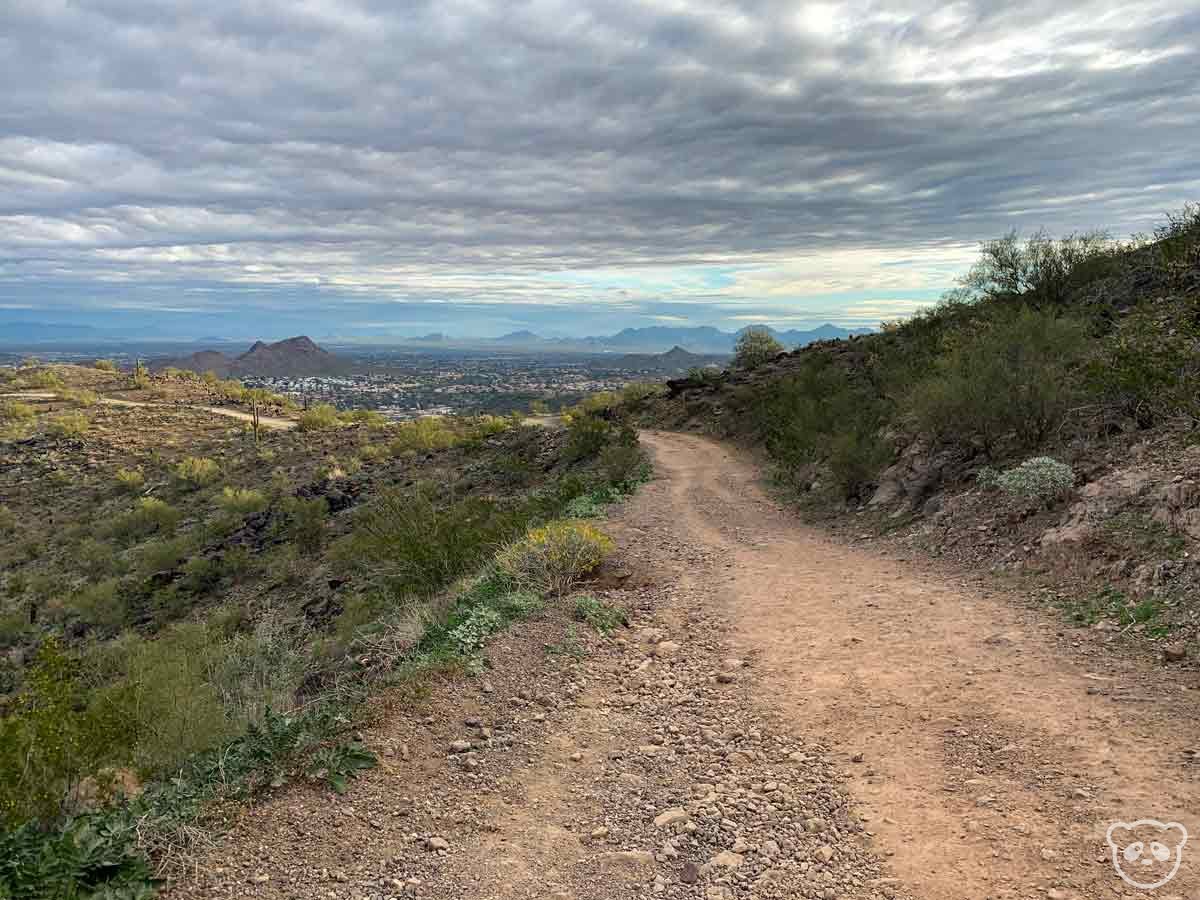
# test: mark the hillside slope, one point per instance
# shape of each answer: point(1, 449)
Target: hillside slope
point(1080, 355)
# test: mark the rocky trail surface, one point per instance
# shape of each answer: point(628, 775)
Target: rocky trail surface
point(786, 716)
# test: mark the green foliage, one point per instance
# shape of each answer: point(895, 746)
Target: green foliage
point(100, 604)
point(754, 347)
point(46, 380)
point(321, 417)
point(80, 396)
point(624, 465)
point(68, 425)
point(1149, 369)
point(602, 616)
point(105, 365)
point(1006, 379)
point(194, 472)
point(130, 481)
point(1040, 271)
point(419, 542)
point(8, 520)
point(555, 557)
point(470, 635)
point(823, 414)
point(305, 522)
point(340, 763)
point(587, 435)
point(242, 501)
point(46, 742)
point(1042, 479)
point(368, 417)
point(92, 857)
point(16, 411)
point(149, 516)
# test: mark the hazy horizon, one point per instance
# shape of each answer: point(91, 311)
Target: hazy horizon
point(343, 167)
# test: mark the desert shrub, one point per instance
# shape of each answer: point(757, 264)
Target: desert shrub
point(149, 516)
point(105, 365)
point(321, 417)
point(1040, 271)
point(45, 380)
point(164, 555)
point(588, 506)
point(636, 393)
point(194, 472)
point(130, 480)
point(371, 452)
point(555, 557)
point(8, 520)
point(200, 575)
point(1041, 478)
point(587, 435)
point(427, 433)
point(80, 396)
point(602, 616)
point(48, 740)
point(101, 605)
point(470, 635)
point(242, 501)
point(822, 413)
point(305, 522)
point(68, 425)
point(368, 417)
point(98, 558)
point(1149, 369)
point(754, 347)
point(157, 695)
point(623, 465)
point(16, 411)
point(417, 542)
point(1008, 378)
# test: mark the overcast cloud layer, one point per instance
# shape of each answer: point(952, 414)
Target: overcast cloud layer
point(389, 165)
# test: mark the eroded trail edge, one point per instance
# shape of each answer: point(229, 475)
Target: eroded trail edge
point(986, 753)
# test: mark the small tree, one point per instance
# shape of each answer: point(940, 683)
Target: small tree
point(755, 347)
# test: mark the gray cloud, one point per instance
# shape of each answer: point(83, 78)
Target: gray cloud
point(420, 151)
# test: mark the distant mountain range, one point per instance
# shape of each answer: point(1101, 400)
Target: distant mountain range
point(296, 357)
point(703, 339)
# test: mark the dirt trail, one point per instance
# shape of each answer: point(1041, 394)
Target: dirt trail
point(993, 754)
point(711, 751)
point(266, 421)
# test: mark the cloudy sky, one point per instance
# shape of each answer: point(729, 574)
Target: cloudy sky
point(574, 166)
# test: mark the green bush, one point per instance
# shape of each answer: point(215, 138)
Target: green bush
point(105, 365)
point(754, 347)
point(305, 522)
point(555, 557)
point(242, 501)
point(1007, 379)
point(368, 417)
point(1041, 271)
point(822, 414)
point(1042, 478)
point(418, 542)
point(68, 425)
point(602, 616)
point(130, 480)
point(623, 465)
point(149, 516)
point(194, 472)
point(587, 435)
point(44, 380)
point(8, 520)
point(101, 604)
point(321, 417)
point(16, 411)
